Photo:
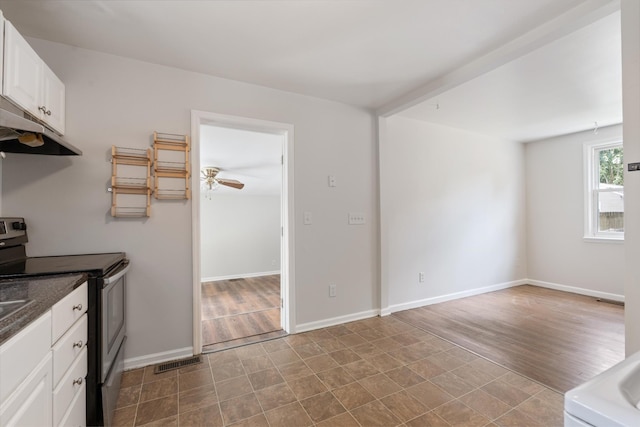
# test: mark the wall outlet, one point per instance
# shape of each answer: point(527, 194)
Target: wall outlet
point(332, 290)
point(421, 277)
point(356, 218)
point(332, 181)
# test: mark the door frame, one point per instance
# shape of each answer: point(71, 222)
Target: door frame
point(287, 259)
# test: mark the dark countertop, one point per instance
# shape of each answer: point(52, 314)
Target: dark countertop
point(45, 291)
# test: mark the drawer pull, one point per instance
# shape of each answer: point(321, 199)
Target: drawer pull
point(77, 307)
point(78, 344)
point(78, 381)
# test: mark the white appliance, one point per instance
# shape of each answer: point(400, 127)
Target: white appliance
point(611, 399)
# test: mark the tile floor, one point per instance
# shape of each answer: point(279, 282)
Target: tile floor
point(374, 372)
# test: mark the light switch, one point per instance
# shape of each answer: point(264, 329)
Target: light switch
point(307, 219)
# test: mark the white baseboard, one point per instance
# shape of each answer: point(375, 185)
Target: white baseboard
point(239, 276)
point(576, 290)
point(448, 297)
point(305, 327)
point(152, 359)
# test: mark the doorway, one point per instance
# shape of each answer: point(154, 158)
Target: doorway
point(241, 209)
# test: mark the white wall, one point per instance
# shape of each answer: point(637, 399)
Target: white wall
point(557, 253)
point(631, 119)
point(452, 206)
point(240, 235)
point(114, 100)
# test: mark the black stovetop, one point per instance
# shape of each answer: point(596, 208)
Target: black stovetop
point(96, 265)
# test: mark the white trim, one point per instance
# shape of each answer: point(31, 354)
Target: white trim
point(576, 290)
point(456, 295)
point(239, 276)
point(152, 359)
point(615, 240)
point(305, 327)
point(287, 267)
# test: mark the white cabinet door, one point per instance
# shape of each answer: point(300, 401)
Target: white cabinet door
point(53, 100)
point(23, 71)
point(31, 404)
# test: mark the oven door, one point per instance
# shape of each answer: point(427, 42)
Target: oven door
point(113, 318)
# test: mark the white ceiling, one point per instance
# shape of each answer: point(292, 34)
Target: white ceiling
point(252, 158)
point(374, 54)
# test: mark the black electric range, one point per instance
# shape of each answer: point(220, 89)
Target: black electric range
point(106, 298)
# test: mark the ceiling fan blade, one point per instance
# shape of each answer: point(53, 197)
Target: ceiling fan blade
point(230, 183)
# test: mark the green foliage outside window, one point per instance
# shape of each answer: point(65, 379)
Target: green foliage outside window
point(611, 166)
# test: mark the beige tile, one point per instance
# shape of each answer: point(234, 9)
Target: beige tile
point(275, 396)
point(158, 389)
point(319, 335)
point(404, 377)
point(385, 344)
point(457, 413)
point(250, 351)
point(429, 395)
point(452, 384)
point(371, 334)
point(405, 339)
point(380, 385)
point(129, 396)
point(344, 356)
point(309, 350)
point(404, 406)
point(361, 369)
point(473, 375)
point(295, 370)
point(205, 416)
point(353, 395)
point(488, 367)
point(197, 398)
point(228, 370)
point(171, 421)
point(291, 415)
point(463, 354)
point(298, 340)
point(336, 377)
point(366, 350)
point(131, 378)
point(508, 393)
point(149, 376)
point(275, 345)
point(322, 406)
point(283, 357)
point(343, 420)
point(321, 363)
point(446, 361)
point(546, 408)
point(352, 340)
point(429, 419)
point(158, 409)
point(124, 417)
point(194, 379)
point(524, 384)
point(426, 368)
point(331, 345)
point(234, 387)
point(515, 418)
point(204, 364)
point(266, 378)
point(256, 421)
point(375, 414)
point(485, 404)
point(306, 386)
point(256, 364)
point(240, 408)
point(222, 357)
point(384, 362)
point(339, 330)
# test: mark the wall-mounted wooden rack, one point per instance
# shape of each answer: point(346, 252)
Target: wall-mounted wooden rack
point(130, 182)
point(171, 166)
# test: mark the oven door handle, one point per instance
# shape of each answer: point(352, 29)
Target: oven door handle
point(117, 276)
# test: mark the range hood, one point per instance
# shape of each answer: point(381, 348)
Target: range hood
point(21, 135)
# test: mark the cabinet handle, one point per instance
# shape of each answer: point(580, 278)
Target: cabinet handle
point(77, 307)
point(48, 112)
point(78, 344)
point(43, 109)
point(78, 381)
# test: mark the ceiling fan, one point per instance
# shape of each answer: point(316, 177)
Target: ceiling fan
point(209, 176)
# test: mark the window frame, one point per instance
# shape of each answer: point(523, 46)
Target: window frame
point(591, 183)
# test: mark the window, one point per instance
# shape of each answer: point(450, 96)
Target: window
point(604, 215)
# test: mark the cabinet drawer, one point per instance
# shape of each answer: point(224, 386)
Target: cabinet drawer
point(67, 311)
point(71, 384)
point(20, 355)
point(68, 348)
point(76, 415)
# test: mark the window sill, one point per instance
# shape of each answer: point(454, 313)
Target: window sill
point(616, 240)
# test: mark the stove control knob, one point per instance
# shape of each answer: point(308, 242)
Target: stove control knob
point(17, 225)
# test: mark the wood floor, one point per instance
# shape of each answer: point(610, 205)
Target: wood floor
point(234, 310)
point(557, 338)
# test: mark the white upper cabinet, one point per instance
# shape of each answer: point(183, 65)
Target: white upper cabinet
point(29, 83)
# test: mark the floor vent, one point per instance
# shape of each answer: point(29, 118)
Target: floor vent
point(164, 367)
point(610, 301)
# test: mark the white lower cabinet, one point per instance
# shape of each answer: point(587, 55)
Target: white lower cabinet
point(49, 390)
point(31, 403)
